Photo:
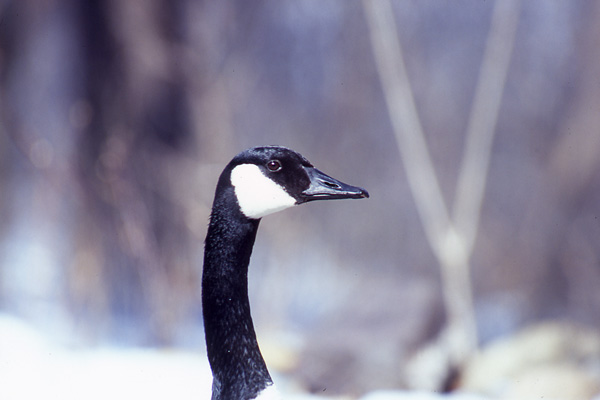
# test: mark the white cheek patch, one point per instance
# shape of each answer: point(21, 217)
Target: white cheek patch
point(256, 194)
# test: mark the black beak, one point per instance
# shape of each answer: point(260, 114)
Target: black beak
point(324, 187)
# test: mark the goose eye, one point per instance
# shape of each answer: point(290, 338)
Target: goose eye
point(274, 165)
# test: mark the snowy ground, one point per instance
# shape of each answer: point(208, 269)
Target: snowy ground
point(33, 367)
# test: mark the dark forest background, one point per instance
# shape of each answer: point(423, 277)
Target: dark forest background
point(116, 118)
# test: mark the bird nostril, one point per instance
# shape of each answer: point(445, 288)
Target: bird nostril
point(331, 184)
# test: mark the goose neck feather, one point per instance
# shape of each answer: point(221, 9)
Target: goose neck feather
point(239, 370)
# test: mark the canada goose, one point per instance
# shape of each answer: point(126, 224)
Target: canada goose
point(257, 182)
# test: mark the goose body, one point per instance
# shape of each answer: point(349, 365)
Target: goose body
point(257, 182)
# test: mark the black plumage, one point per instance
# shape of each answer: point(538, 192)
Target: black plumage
point(239, 371)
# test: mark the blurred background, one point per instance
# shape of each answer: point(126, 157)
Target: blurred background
point(116, 118)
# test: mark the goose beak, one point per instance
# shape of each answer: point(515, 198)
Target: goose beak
point(324, 187)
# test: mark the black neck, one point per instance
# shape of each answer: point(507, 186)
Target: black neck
point(239, 371)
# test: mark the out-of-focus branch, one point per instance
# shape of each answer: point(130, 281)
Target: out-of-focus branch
point(482, 122)
point(451, 239)
point(405, 120)
point(442, 237)
point(457, 249)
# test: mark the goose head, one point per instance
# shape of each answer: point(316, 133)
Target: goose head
point(256, 183)
point(272, 178)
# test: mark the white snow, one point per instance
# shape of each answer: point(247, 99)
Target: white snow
point(31, 367)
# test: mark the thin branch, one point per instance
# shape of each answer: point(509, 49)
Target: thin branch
point(482, 123)
point(405, 120)
point(451, 240)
